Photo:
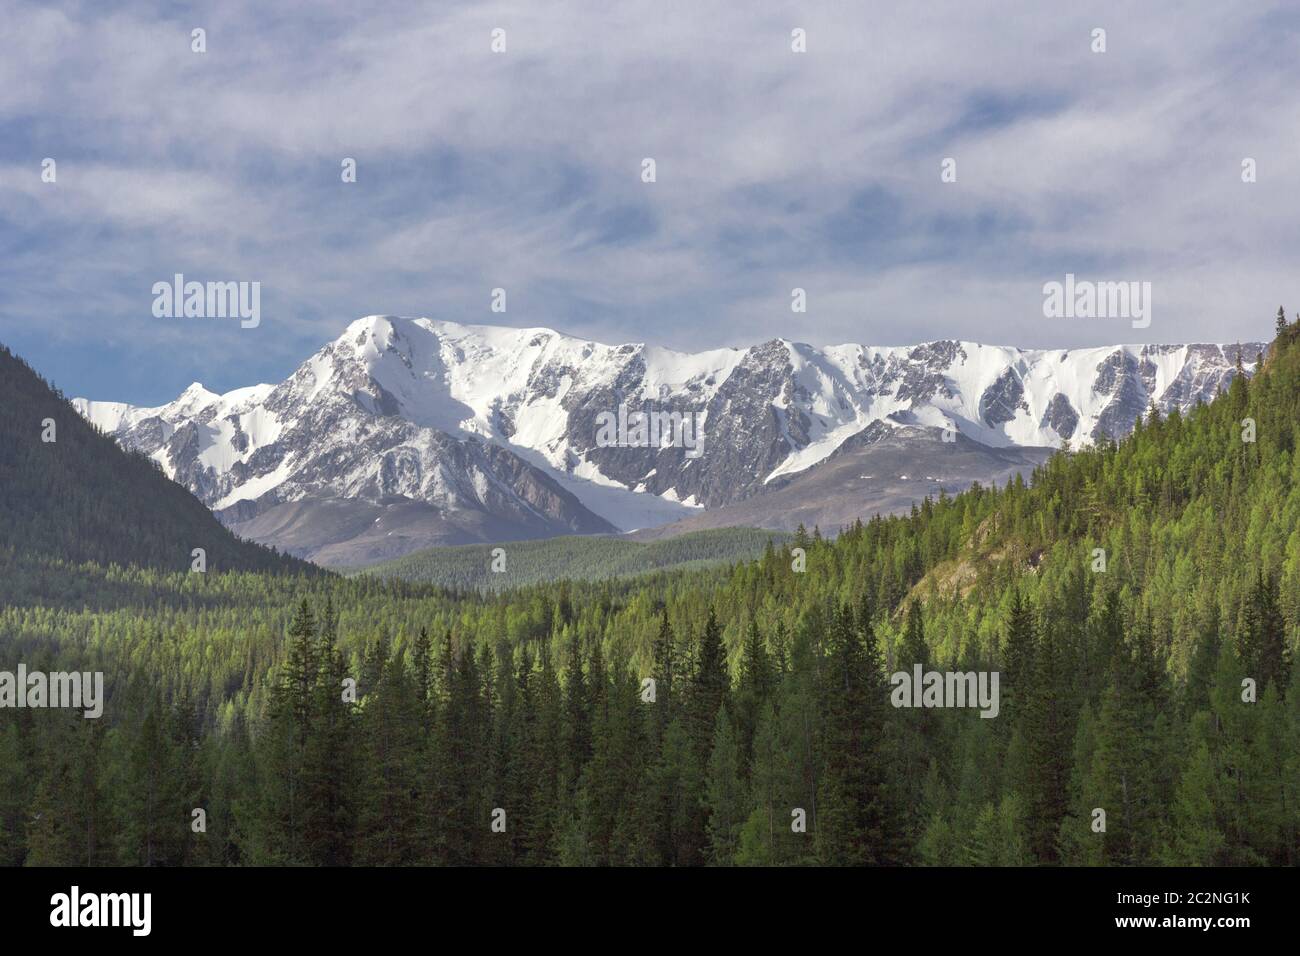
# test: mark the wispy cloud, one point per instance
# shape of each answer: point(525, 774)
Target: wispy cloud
point(522, 170)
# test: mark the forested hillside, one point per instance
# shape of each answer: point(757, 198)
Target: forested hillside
point(69, 493)
point(585, 558)
point(1123, 595)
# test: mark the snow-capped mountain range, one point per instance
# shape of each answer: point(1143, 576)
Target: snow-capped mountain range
point(403, 433)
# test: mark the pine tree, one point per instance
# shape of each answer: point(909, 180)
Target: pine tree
point(540, 846)
point(461, 763)
point(421, 665)
point(329, 756)
point(233, 800)
point(709, 684)
point(913, 650)
point(852, 815)
point(578, 716)
point(1048, 733)
point(665, 676)
point(681, 799)
point(281, 836)
point(911, 741)
point(1195, 838)
point(1263, 647)
point(155, 805)
point(725, 793)
point(757, 682)
point(390, 798)
point(1017, 658)
point(52, 833)
point(1200, 671)
point(1121, 777)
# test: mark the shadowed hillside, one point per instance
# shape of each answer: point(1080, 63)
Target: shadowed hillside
point(80, 498)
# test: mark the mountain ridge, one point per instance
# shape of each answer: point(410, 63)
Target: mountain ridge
point(497, 430)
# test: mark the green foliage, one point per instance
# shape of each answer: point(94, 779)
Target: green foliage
point(1123, 690)
point(586, 558)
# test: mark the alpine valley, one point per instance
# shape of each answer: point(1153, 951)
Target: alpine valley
point(409, 433)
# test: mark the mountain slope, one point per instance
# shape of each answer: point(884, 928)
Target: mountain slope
point(347, 461)
point(596, 558)
point(881, 470)
point(497, 432)
point(81, 498)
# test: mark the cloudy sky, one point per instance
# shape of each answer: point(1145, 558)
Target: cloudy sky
point(522, 170)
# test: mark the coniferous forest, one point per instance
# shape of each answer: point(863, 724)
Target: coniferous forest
point(1140, 601)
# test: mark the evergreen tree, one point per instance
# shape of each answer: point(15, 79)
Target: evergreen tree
point(1047, 736)
point(156, 801)
point(1017, 658)
point(757, 681)
point(1195, 838)
point(329, 756)
point(725, 793)
point(1263, 647)
point(852, 815)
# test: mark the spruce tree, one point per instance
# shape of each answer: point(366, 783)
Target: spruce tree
point(757, 682)
point(1017, 658)
point(1048, 733)
point(725, 793)
point(1263, 647)
point(852, 816)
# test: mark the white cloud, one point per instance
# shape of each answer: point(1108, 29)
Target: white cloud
point(775, 169)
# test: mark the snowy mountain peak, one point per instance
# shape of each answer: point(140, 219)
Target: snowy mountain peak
point(194, 399)
point(505, 422)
